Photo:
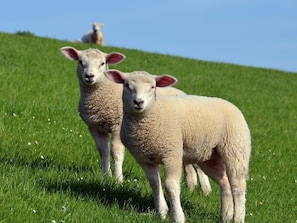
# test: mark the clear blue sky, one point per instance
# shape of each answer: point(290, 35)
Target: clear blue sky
point(261, 33)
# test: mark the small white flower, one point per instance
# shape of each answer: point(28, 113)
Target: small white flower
point(36, 142)
point(103, 189)
point(54, 221)
point(63, 208)
point(135, 180)
point(42, 157)
point(14, 114)
point(29, 144)
point(34, 211)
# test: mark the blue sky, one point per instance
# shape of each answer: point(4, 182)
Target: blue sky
point(260, 33)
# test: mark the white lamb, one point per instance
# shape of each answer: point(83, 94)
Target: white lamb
point(172, 130)
point(100, 107)
point(94, 36)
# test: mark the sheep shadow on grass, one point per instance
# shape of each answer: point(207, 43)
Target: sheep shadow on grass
point(108, 193)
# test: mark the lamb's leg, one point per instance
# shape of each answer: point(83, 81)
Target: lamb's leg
point(172, 176)
point(118, 153)
point(204, 181)
point(216, 170)
point(190, 176)
point(102, 145)
point(153, 176)
point(238, 187)
point(237, 176)
point(191, 173)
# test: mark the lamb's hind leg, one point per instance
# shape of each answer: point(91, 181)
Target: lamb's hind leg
point(191, 173)
point(118, 153)
point(102, 145)
point(237, 175)
point(190, 176)
point(216, 170)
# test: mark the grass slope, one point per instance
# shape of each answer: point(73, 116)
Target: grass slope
point(49, 165)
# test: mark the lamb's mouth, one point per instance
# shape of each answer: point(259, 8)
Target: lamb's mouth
point(89, 80)
point(138, 108)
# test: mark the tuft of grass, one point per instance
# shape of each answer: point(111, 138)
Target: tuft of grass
point(49, 165)
point(24, 33)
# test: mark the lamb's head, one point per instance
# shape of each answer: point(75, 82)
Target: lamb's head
point(91, 63)
point(97, 27)
point(139, 90)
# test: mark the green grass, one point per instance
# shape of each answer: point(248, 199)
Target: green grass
point(49, 168)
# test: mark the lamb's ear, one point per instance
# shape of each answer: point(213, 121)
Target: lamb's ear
point(116, 76)
point(70, 52)
point(114, 58)
point(165, 80)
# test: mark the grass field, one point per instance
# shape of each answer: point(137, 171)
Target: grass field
point(49, 167)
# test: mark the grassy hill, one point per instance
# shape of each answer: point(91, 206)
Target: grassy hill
point(49, 165)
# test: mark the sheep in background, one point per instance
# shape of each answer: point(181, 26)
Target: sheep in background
point(100, 107)
point(187, 129)
point(94, 36)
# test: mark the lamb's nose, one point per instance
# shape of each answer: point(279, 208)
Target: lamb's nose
point(89, 77)
point(138, 102)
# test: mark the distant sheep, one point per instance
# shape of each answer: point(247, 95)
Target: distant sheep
point(172, 130)
point(94, 36)
point(100, 107)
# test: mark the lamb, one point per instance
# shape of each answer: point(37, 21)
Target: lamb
point(171, 130)
point(94, 36)
point(100, 107)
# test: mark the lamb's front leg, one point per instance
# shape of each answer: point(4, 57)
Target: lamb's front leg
point(102, 145)
point(153, 176)
point(118, 153)
point(173, 172)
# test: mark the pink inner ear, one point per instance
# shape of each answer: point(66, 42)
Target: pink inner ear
point(70, 53)
point(165, 81)
point(114, 58)
point(115, 76)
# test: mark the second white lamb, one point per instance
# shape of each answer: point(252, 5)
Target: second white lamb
point(187, 129)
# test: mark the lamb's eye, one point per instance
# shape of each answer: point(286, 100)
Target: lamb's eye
point(102, 64)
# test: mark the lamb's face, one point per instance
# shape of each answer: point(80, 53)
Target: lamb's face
point(97, 27)
point(91, 66)
point(139, 92)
